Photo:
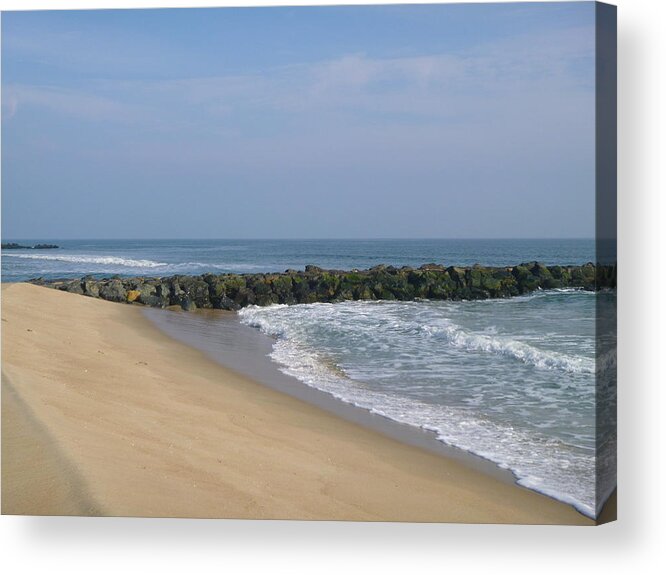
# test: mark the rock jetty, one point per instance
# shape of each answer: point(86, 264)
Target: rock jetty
point(15, 246)
point(430, 281)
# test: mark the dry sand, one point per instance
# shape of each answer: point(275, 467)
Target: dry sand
point(102, 414)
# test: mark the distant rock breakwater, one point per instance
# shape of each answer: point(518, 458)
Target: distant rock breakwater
point(15, 246)
point(432, 281)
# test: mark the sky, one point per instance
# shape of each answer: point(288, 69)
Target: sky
point(421, 121)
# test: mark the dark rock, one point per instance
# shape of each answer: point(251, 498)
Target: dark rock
point(113, 291)
point(229, 304)
point(72, 287)
point(15, 246)
point(154, 301)
point(433, 281)
point(432, 267)
point(90, 287)
point(187, 304)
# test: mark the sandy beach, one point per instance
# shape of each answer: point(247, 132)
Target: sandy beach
point(103, 414)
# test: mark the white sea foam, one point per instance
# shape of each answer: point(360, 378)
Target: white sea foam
point(240, 267)
point(85, 259)
point(111, 263)
point(363, 352)
point(540, 358)
point(509, 448)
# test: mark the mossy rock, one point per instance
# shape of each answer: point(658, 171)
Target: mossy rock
point(301, 289)
point(344, 295)
point(439, 291)
point(187, 304)
point(281, 284)
point(73, 287)
point(216, 286)
point(540, 270)
point(457, 275)
point(232, 284)
point(388, 295)
point(557, 272)
point(352, 278)
point(245, 297)
point(90, 287)
point(552, 283)
point(525, 280)
point(364, 293)
point(474, 277)
point(491, 283)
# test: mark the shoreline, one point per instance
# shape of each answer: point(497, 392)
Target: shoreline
point(217, 333)
point(148, 426)
point(250, 358)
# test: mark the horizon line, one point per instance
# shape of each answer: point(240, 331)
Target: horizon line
point(54, 238)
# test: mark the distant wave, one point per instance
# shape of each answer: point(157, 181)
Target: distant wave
point(240, 267)
point(536, 295)
point(100, 260)
point(539, 358)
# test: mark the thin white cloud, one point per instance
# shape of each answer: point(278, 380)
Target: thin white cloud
point(9, 105)
point(435, 86)
point(72, 103)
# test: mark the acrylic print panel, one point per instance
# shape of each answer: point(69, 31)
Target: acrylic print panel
point(330, 263)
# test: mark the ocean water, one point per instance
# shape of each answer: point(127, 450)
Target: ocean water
point(168, 257)
point(514, 381)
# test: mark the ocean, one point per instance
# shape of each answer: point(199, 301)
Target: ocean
point(168, 257)
point(512, 381)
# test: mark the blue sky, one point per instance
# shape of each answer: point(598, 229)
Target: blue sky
point(386, 121)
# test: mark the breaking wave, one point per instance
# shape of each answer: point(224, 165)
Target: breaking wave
point(539, 358)
point(98, 260)
point(111, 264)
point(522, 398)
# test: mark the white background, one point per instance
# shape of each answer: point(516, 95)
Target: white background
point(634, 544)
